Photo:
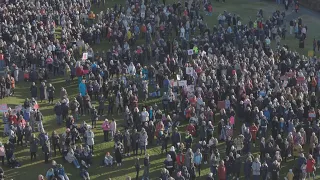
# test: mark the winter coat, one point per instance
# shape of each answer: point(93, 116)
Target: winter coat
point(90, 138)
point(43, 92)
point(237, 165)
point(58, 110)
point(34, 145)
point(310, 165)
point(197, 158)
point(70, 157)
point(176, 137)
point(33, 91)
point(189, 159)
point(105, 126)
point(256, 168)
point(143, 139)
point(238, 141)
point(222, 172)
point(82, 89)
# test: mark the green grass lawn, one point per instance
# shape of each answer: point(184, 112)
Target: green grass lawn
point(30, 170)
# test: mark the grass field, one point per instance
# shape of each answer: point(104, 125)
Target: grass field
point(30, 170)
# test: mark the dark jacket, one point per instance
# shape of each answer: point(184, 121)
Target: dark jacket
point(58, 110)
point(34, 145)
point(50, 91)
point(34, 91)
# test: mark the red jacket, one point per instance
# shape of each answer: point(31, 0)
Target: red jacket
point(222, 172)
point(191, 129)
point(210, 8)
point(79, 71)
point(253, 130)
point(310, 165)
point(180, 161)
point(13, 119)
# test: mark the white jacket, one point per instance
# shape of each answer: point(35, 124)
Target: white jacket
point(144, 116)
point(132, 69)
point(113, 126)
point(256, 168)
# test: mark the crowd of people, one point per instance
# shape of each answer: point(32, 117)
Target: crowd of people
point(224, 84)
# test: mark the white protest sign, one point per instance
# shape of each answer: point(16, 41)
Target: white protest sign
point(190, 52)
point(189, 70)
point(84, 56)
point(182, 83)
point(178, 77)
point(190, 88)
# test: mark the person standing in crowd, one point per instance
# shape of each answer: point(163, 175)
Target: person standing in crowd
point(106, 128)
point(55, 141)
point(90, 138)
point(198, 160)
point(146, 163)
point(34, 142)
point(138, 167)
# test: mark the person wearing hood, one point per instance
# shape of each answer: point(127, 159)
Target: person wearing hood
point(290, 175)
point(189, 158)
point(168, 163)
point(132, 69)
point(198, 160)
point(256, 166)
point(143, 139)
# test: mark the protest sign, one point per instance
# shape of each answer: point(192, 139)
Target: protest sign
point(221, 104)
point(84, 56)
point(190, 52)
point(189, 70)
point(3, 108)
point(312, 114)
point(301, 80)
point(182, 83)
point(36, 106)
point(178, 77)
point(190, 88)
